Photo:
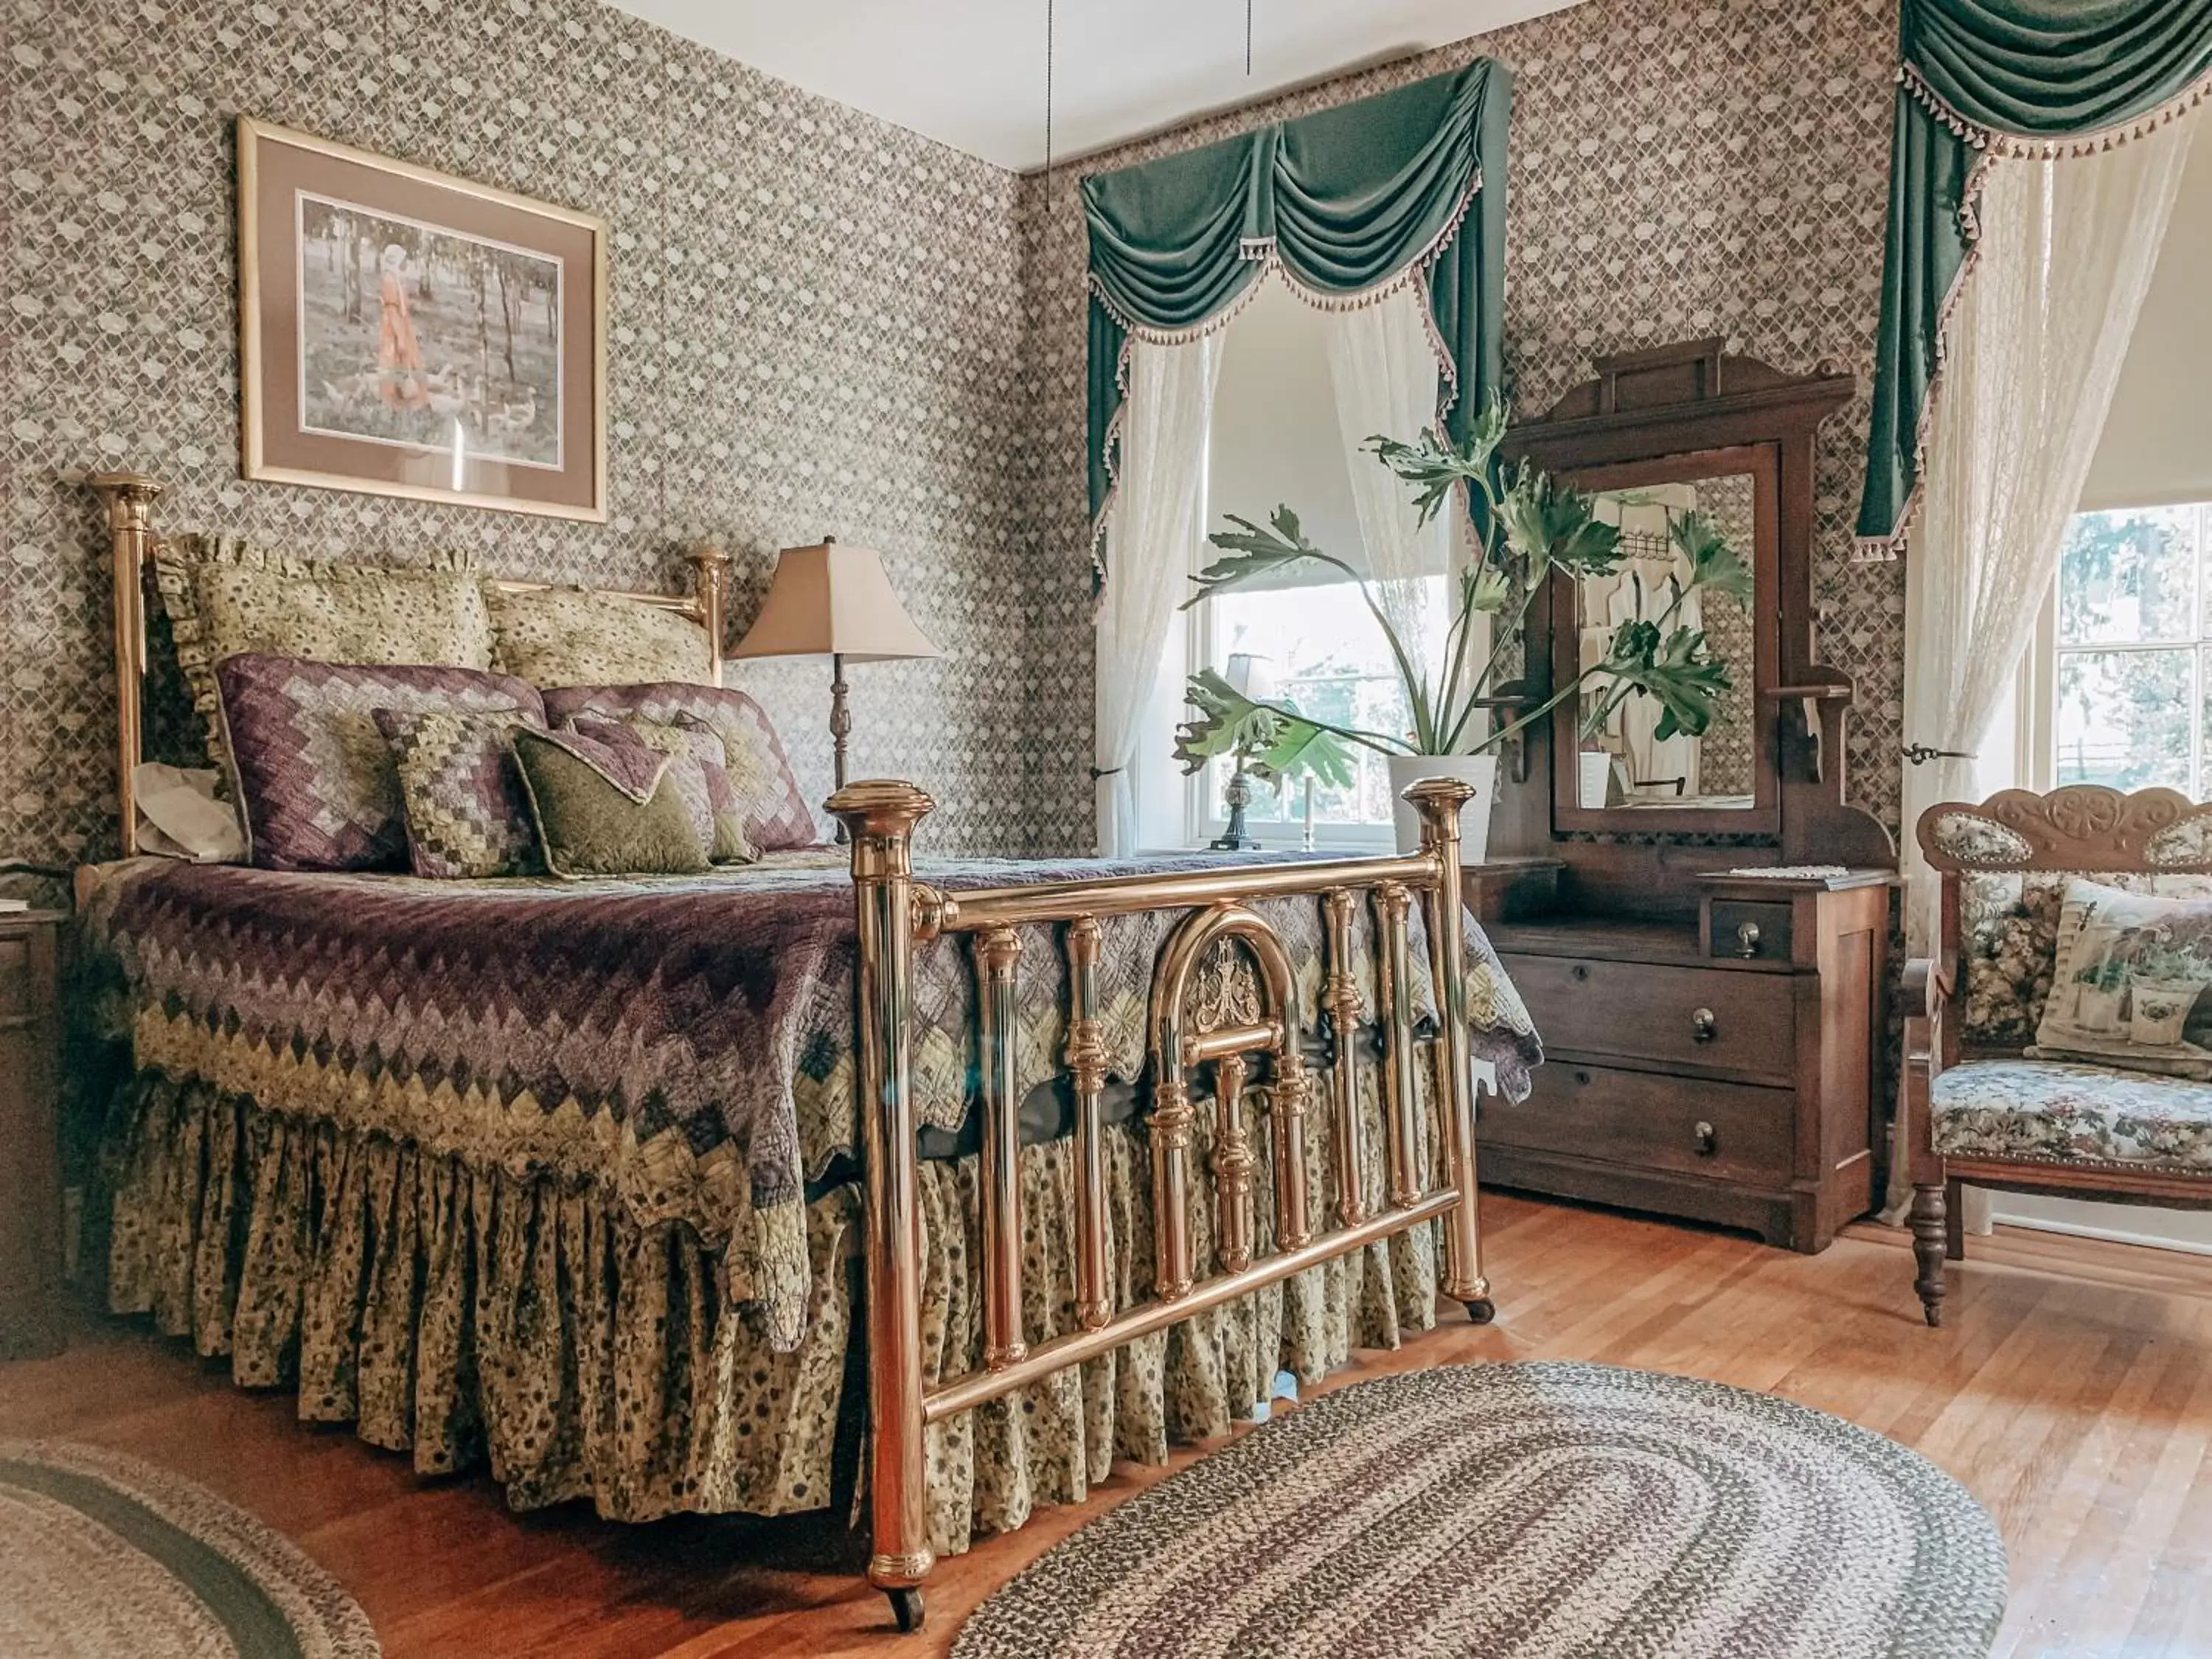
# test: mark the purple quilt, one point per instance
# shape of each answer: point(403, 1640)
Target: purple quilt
point(687, 1039)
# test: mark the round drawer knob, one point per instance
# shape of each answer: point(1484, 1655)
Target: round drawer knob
point(1703, 1027)
point(1704, 1140)
point(1580, 971)
point(1747, 939)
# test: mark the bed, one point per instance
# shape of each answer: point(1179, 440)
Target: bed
point(638, 1188)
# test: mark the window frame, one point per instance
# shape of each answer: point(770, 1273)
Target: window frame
point(1204, 819)
point(2035, 712)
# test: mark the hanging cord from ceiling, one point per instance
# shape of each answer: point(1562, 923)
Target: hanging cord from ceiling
point(1248, 39)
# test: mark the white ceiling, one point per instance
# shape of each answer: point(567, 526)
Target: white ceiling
point(971, 73)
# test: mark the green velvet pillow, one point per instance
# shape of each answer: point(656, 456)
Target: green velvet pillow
point(605, 805)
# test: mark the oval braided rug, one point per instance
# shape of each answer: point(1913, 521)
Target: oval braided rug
point(1524, 1511)
point(102, 1556)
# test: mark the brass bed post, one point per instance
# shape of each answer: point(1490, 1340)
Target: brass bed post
point(879, 816)
point(129, 519)
point(1086, 1065)
point(1394, 991)
point(710, 592)
point(1438, 801)
point(1342, 997)
point(997, 955)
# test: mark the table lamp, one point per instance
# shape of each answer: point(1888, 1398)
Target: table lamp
point(835, 601)
point(1251, 676)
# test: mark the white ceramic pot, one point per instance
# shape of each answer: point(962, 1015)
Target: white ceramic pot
point(1479, 770)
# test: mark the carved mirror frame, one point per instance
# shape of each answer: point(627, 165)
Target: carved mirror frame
point(1691, 403)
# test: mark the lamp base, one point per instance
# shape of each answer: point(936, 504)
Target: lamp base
point(1234, 837)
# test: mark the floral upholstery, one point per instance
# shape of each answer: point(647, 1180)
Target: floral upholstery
point(2060, 1112)
point(2008, 925)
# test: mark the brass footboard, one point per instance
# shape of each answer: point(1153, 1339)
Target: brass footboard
point(895, 913)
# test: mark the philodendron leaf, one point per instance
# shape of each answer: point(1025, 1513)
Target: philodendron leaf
point(1227, 720)
point(1434, 465)
point(1549, 523)
point(1302, 746)
point(1715, 567)
point(1275, 743)
point(1484, 590)
point(1678, 671)
point(1254, 552)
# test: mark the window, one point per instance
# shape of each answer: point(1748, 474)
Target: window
point(1326, 658)
point(2131, 650)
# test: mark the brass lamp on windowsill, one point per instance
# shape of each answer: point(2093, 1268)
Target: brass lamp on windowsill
point(835, 601)
point(1253, 676)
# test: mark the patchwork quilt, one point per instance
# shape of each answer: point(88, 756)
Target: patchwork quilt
point(685, 1042)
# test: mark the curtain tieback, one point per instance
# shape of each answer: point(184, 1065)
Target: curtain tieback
point(1919, 754)
point(1098, 772)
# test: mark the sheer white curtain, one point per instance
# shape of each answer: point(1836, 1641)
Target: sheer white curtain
point(2066, 254)
point(1383, 370)
point(1156, 523)
point(2034, 353)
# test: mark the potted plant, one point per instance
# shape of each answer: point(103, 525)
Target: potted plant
point(1531, 527)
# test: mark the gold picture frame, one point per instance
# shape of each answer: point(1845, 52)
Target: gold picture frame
point(406, 333)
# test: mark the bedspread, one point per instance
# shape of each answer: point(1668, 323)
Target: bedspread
point(683, 1042)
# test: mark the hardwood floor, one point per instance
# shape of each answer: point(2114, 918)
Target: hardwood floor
point(2071, 1392)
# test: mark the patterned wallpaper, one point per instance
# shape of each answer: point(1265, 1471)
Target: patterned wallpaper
point(822, 323)
point(1727, 755)
point(814, 330)
point(1678, 167)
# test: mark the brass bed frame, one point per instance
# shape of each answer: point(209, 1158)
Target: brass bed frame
point(895, 913)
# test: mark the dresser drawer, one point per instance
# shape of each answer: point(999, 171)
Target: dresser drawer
point(1728, 1131)
point(1715, 1018)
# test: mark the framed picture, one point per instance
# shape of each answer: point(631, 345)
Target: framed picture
point(408, 333)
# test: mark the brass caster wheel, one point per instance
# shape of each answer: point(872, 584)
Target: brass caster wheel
point(1481, 1311)
point(907, 1606)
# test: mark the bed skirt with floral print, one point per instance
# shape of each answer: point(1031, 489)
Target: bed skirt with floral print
point(469, 1314)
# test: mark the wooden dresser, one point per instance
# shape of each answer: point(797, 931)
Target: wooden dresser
point(1719, 1065)
point(1714, 1041)
point(30, 1115)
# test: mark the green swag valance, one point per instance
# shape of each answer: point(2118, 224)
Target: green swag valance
point(1347, 201)
point(1983, 77)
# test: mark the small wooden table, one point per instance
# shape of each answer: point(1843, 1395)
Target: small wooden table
point(31, 1322)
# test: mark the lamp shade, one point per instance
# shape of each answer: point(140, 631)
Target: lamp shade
point(833, 598)
point(1252, 675)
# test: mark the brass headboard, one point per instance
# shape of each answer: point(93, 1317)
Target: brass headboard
point(131, 536)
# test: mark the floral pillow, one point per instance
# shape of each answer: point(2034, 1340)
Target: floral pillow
point(223, 596)
point(776, 818)
point(2129, 989)
point(462, 798)
point(317, 785)
point(553, 636)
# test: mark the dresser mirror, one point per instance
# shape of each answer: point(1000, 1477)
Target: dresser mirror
point(1675, 443)
point(1611, 758)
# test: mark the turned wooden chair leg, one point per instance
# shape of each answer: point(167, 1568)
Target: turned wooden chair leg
point(1929, 1231)
point(1954, 1221)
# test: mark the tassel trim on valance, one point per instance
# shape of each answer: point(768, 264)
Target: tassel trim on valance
point(2029, 148)
point(1262, 251)
point(1993, 145)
